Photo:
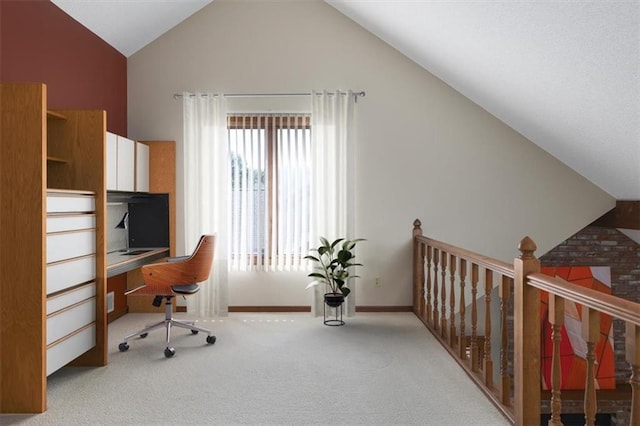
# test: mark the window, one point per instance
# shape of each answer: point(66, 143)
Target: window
point(270, 190)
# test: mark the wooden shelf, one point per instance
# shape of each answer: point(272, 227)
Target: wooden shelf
point(55, 115)
point(59, 160)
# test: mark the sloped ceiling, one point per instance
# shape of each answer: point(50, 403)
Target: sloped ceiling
point(566, 75)
point(129, 25)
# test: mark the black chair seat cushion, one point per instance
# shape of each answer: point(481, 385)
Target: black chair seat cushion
point(186, 288)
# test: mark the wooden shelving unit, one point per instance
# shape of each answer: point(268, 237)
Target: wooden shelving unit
point(41, 149)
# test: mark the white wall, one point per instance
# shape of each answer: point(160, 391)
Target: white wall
point(424, 151)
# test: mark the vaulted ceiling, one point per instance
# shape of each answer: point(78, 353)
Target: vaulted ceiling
point(566, 75)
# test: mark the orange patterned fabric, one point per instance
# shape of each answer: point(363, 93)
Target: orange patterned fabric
point(572, 344)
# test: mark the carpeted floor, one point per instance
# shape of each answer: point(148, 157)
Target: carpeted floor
point(270, 369)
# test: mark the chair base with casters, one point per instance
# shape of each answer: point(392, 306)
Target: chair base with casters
point(160, 281)
point(167, 323)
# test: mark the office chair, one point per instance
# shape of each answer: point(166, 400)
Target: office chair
point(166, 280)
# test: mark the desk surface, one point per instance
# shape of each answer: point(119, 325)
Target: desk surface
point(119, 262)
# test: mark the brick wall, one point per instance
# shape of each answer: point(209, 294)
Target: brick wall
point(597, 246)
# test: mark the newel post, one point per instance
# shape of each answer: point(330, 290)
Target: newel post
point(418, 271)
point(526, 312)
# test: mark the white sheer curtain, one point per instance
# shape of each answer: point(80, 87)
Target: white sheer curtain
point(332, 214)
point(206, 193)
point(294, 192)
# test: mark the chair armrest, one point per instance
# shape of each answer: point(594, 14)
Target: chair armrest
point(177, 258)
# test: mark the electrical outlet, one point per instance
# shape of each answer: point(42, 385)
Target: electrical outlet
point(377, 282)
point(111, 306)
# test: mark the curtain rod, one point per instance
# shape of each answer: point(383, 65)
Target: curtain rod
point(257, 95)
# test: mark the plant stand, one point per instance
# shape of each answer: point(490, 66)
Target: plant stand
point(333, 315)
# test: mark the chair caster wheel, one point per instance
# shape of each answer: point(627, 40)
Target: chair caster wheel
point(194, 331)
point(123, 347)
point(143, 335)
point(169, 352)
point(211, 340)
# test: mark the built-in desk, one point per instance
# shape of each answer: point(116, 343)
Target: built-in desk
point(119, 262)
point(123, 274)
point(151, 225)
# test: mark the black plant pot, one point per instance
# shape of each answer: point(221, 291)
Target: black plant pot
point(333, 316)
point(333, 299)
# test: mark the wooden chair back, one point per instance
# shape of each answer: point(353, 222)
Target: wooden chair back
point(159, 277)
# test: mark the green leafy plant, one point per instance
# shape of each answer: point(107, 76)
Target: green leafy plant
point(332, 264)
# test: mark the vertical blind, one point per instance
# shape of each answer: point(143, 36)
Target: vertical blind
point(270, 190)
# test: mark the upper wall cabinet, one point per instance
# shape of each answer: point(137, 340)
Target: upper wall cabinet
point(112, 162)
point(125, 170)
point(127, 164)
point(142, 167)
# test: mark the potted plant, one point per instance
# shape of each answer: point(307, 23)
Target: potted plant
point(332, 267)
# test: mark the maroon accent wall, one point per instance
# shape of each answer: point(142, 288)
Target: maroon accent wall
point(41, 43)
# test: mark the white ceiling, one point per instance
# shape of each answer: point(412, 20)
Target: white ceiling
point(129, 25)
point(566, 75)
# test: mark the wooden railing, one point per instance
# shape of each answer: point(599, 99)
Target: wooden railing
point(451, 287)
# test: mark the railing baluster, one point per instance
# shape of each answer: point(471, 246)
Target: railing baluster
point(590, 333)
point(443, 291)
point(632, 340)
point(436, 314)
point(474, 317)
point(462, 338)
point(487, 362)
point(556, 318)
point(452, 301)
point(429, 308)
point(505, 388)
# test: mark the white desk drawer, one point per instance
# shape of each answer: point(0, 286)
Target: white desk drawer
point(71, 222)
point(70, 203)
point(68, 245)
point(69, 273)
point(69, 349)
point(67, 321)
point(71, 297)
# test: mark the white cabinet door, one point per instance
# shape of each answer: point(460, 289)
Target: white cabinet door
point(126, 164)
point(112, 162)
point(142, 167)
